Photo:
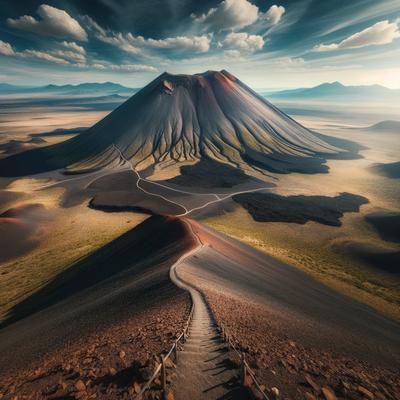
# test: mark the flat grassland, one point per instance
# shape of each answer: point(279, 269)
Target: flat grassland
point(323, 251)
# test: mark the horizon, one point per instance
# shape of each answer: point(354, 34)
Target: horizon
point(144, 84)
point(286, 44)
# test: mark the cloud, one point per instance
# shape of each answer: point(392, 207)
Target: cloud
point(136, 44)
point(242, 41)
point(41, 55)
point(274, 14)
point(229, 14)
point(73, 47)
point(198, 44)
point(99, 64)
point(54, 22)
point(6, 49)
point(382, 32)
point(74, 57)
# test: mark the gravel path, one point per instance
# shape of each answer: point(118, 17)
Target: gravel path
point(204, 368)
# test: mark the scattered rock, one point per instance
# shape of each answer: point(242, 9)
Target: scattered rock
point(328, 393)
point(313, 384)
point(309, 396)
point(136, 387)
point(170, 396)
point(275, 392)
point(80, 386)
point(365, 392)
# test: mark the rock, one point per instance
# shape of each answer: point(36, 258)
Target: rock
point(365, 392)
point(80, 386)
point(275, 392)
point(309, 396)
point(122, 354)
point(328, 393)
point(170, 396)
point(313, 384)
point(112, 371)
point(136, 387)
point(291, 343)
point(169, 364)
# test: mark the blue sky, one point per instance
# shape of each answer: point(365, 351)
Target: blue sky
point(267, 44)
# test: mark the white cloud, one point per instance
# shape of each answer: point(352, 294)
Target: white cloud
point(41, 55)
point(198, 44)
point(274, 14)
point(76, 57)
point(73, 47)
point(100, 64)
point(382, 32)
point(289, 62)
point(54, 22)
point(6, 49)
point(242, 41)
point(135, 44)
point(229, 14)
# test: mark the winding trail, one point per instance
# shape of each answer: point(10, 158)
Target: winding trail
point(218, 196)
point(203, 368)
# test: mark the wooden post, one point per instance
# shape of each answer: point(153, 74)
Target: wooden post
point(176, 351)
point(243, 369)
point(163, 377)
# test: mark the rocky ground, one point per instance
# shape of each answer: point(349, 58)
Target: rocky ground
point(113, 363)
point(293, 370)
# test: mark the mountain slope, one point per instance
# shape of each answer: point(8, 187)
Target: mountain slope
point(180, 118)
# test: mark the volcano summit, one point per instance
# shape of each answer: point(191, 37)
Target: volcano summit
point(184, 118)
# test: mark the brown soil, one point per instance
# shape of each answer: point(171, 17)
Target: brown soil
point(292, 368)
point(110, 363)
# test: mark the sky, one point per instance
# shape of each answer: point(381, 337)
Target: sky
point(267, 44)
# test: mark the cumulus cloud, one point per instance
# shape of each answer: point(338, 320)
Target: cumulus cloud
point(229, 14)
point(99, 64)
point(242, 41)
point(54, 22)
point(6, 49)
point(198, 44)
point(274, 14)
point(73, 47)
point(41, 55)
point(74, 56)
point(382, 32)
point(135, 44)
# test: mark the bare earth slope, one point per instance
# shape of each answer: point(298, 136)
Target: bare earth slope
point(327, 318)
point(102, 289)
point(179, 118)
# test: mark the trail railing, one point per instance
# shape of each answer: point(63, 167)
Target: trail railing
point(245, 369)
point(161, 367)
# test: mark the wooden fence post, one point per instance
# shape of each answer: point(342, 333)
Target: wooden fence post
point(243, 371)
point(176, 351)
point(163, 377)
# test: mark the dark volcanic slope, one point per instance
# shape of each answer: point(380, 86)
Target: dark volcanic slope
point(313, 313)
point(184, 118)
point(98, 290)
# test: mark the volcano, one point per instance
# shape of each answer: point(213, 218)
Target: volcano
point(187, 118)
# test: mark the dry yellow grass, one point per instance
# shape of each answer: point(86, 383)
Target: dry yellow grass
point(71, 234)
point(309, 247)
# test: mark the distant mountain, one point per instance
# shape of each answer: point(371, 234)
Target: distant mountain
point(385, 126)
point(337, 90)
point(72, 89)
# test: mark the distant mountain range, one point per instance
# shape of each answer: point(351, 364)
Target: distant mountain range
point(385, 126)
point(80, 88)
point(337, 90)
